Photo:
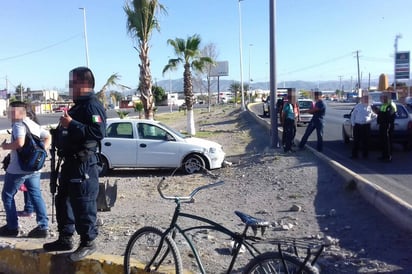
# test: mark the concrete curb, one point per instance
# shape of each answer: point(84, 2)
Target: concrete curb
point(27, 257)
point(390, 205)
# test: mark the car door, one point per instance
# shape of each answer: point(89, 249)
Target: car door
point(157, 147)
point(120, 145)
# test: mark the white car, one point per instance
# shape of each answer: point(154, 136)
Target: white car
point(136, 143)
point(304, 116)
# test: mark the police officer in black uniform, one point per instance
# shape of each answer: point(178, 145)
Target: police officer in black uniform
point(386, 121)
point(77, 139)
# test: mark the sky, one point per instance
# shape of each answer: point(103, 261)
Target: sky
point(316, 40)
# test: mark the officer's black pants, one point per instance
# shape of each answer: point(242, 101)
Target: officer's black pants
point(385, 132)
point(77, 192)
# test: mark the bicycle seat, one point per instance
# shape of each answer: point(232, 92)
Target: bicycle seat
point(252, 221)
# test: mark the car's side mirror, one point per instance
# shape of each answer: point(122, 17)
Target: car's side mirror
point(346, 116)
point(169, 137)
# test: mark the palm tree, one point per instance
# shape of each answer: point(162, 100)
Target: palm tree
point(141, 20)
point(188, 53)
point(111, 81)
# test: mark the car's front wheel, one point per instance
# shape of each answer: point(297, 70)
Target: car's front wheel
point(193, 163)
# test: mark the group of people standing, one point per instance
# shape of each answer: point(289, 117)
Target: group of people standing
point(289, 116)
point(77, 139)
point(361, 118)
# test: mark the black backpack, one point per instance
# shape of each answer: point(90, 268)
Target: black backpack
point(32, 155)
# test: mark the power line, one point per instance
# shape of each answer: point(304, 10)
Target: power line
point(41, 49)
point(318, 65)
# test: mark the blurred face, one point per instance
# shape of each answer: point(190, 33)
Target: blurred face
point(77, 87)
point(16, 113)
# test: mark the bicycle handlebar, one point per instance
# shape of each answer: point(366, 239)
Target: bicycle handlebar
point(191, 195)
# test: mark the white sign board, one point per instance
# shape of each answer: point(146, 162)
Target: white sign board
point(220, 69)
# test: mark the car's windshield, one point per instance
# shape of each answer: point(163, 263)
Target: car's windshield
point(305, 104)
point(174, 131)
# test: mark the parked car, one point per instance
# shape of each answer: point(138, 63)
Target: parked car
point(60, 108)
point(266, 106)
point(135, 143)
point(304, 106)
point(402, 133)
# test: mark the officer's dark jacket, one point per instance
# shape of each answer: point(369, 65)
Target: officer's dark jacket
point(86, 129)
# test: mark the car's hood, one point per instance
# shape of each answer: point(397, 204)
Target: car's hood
point(201, 142)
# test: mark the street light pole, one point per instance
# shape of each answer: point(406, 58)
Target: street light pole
point(273, 85)
point(250, 79)
point(85, 36)
point(241, 59)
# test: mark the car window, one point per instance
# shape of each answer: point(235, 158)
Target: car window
point(305, 104)
point(120, 130)
point(401, 112)
point(148, 131)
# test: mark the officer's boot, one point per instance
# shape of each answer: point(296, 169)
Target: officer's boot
point(63, 243)
point(85, 249)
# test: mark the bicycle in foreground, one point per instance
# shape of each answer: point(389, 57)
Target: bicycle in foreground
point(154, 250)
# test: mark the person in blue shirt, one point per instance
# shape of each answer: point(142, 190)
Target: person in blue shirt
point(316, 122)
point(288, 122)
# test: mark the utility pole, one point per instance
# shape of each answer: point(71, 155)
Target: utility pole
point(340, 86)
point(357, 60)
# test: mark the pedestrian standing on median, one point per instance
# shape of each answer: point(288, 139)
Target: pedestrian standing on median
point(77, 139)
point(386, 121)
point(361, 118)
point(288, 122)
point(15, 176)
point(316, 122)
point(28, 209)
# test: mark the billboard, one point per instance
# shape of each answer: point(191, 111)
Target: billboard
point(402, 69)
point(221, 69)
point(3, 94)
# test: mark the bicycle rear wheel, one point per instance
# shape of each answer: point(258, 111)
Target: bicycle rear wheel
point(271, 262)
point(142, 247)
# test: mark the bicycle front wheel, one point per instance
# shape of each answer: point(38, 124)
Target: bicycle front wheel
point(142, 248)
point(271, 262)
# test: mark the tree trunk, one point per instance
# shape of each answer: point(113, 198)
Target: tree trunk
point(145, 84)
point(191, 130)
point(189, 99)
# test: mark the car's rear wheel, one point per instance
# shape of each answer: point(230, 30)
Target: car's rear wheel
point(104, 166)
point(193, 163)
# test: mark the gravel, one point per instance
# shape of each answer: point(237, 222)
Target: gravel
point(299, 194)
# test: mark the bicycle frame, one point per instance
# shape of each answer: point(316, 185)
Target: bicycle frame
point(239, 239)
point(249, 242)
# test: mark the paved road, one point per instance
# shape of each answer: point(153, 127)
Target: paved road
point(394, 177)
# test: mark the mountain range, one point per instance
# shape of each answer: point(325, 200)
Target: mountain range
point(176, 85)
